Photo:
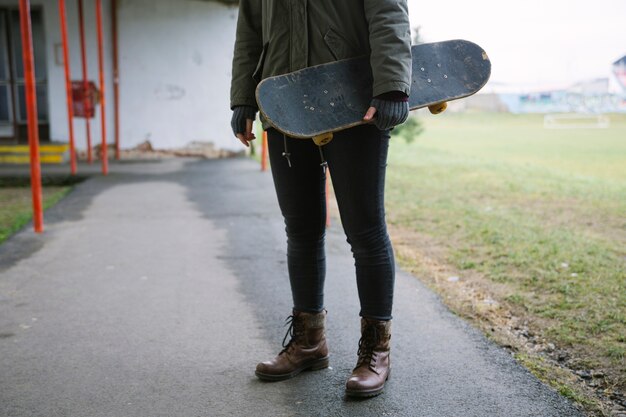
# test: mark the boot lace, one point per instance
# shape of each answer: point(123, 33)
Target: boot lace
point(367, 345)
point(295, 331)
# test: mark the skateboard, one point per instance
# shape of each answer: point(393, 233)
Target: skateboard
point(314, 102)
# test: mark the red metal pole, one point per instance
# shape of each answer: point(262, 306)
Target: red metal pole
point(83, 53)
point(116, 78)
point(264, 152)
point(103, 155)
point(31, 111)
point(68, 84)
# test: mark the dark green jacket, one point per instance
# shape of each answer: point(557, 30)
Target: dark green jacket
point(279, 36)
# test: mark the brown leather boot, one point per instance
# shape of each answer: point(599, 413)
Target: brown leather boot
point(373, 366)
point(307, 349)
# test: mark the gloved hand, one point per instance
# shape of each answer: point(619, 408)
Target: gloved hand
point(241, 123)
point(391, 109)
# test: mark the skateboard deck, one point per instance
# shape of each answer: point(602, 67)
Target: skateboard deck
point(316, 101)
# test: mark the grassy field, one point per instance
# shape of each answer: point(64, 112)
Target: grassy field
point(527, 221)
point(16, 202)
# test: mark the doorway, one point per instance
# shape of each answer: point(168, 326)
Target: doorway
point(13, 127)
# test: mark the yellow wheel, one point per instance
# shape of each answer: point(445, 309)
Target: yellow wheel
point(438, 108)
point(322, 140)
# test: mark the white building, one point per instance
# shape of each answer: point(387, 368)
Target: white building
point(174, 71)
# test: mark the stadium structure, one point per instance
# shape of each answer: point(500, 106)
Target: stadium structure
point(619, 74)
point(593, 96)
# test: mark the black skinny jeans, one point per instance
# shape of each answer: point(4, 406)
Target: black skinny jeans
point(357, 160)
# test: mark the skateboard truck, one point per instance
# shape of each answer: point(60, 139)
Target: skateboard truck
point(323, 139)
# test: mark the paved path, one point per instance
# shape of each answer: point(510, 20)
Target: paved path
point(155, 291)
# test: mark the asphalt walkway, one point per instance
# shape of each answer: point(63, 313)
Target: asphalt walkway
point(156, 290)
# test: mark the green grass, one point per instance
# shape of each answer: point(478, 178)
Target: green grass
point(16, 202)
point(541, 212)
point(522, 140)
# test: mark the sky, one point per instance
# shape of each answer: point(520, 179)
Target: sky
point(533, 44)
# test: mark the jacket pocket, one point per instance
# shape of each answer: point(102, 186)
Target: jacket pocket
point(336, 44)
point(257, 75)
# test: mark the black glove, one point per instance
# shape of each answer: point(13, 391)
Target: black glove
point(240, 115)
point(389, 113)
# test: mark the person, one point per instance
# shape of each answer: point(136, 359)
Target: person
point(279, 36)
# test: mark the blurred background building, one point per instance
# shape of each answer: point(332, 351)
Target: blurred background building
point(174, 70)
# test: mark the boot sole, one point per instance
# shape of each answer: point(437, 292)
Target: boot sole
point(315, 365)
point(367, 394)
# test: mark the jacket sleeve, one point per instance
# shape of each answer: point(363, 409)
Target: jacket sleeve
point(390, 43)
point(248, 48)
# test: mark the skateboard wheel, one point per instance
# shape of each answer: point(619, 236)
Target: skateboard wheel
point(438, 108)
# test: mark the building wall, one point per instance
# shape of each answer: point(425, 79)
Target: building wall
point(175, 64)
point(175, 71)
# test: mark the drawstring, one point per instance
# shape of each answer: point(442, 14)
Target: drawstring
point(324, 164)
point(286, 154)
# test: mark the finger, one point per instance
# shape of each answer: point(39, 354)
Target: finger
point(369, 115)
point(243, 140)
point(249, 123)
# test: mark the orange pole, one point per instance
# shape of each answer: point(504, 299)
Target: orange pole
point(83, 50)
point(104, 156)
point(68, 84)
point(116, 78)
point(31, 111)
point(264, 152)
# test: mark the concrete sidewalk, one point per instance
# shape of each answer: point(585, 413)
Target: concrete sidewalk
point(157, 289)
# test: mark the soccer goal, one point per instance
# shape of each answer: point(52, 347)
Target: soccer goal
point(576, 121)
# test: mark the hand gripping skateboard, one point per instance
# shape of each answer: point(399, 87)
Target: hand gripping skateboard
point(315, 102)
